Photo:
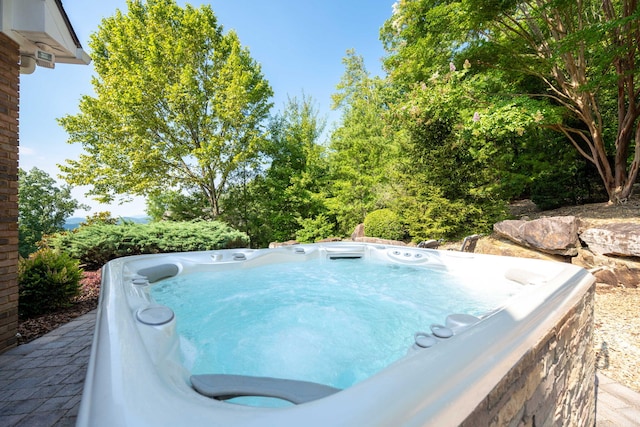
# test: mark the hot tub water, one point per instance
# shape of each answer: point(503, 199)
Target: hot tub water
point(335, 322)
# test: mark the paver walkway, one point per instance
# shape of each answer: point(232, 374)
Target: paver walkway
point(617, 406)
point(41, 382)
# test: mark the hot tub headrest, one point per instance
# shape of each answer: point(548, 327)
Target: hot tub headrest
point(227, 386)
point(159, 272)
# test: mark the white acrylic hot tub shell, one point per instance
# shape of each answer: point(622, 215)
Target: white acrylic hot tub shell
point(135, 377)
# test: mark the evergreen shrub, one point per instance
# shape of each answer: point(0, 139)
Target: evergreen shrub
point(384, 224)
point(96, 244)
point(575, 184)
point(47, 281)
point(314, 229)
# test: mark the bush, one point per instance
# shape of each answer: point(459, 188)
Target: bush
point(314, 229)
point(384, 224)
point(47, 281)
point(96, 244)
point(576, 184)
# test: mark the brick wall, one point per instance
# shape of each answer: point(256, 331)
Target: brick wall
point(553, 384)
point(9, 93)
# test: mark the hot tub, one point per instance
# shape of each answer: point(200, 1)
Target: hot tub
point(526, 359)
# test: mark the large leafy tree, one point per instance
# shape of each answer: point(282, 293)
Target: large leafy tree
point(178, 105)
point(579, 55)
point(43, 208)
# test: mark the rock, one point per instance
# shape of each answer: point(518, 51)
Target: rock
point(330, 240)
point(628, 277)
point(379, 241)
point(358, 232)
point(607, 277)
point(625, 270)
point(273, 245)
point(553, 235)
point(505, 247)
point(589, 260)
point(619, 239)
point(523, 208)
point(620, 277)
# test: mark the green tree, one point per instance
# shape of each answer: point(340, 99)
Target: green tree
point(363, 155)
point(179, 105)
point(178, 206)
point(452, 181)
point(581, 56)
point(42, 208)
point(290, 188)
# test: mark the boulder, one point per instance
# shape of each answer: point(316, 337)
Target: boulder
point(358, 232)
point(618, 277)
point(553, 235)
point(590, 260)
point(379, 241)
point(616, 271)
point(606, 277)
point(329, 240)
point(618, 239)
point(273, 245)
point(505, 247)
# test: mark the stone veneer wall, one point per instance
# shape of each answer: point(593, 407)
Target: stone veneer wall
point(553, 384)
point(9, 93)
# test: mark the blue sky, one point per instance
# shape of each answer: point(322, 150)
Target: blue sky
point(300, 45)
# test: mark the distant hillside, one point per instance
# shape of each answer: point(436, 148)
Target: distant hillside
point(75, 222)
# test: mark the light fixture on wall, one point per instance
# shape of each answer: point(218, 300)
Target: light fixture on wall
point(45, 59)
point(27, 64)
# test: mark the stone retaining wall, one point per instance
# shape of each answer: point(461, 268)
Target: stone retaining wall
point(553, 384)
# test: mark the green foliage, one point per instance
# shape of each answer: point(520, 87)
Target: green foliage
point(363, 155)
point(42, 208)
point(48, 280)
point(314, 229)
point(179, 105)
point(384, 224)
point(579, 57)
point(575, 183)
point(290, 188)
point(420, 36)
point(97, 244)
point(429, 215)
point(100, 218)
point(178, 206)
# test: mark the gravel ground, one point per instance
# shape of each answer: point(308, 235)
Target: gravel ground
point(617, 334)
point(617, 309)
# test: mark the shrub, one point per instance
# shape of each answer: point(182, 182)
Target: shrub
point(577, 183)
point(96, 244)
point(314, 229)
point(48, 280)
point(384, 224)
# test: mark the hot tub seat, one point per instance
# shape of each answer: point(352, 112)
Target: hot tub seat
point(225, 386)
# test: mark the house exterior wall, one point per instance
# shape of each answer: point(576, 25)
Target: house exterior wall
point(9, 94)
